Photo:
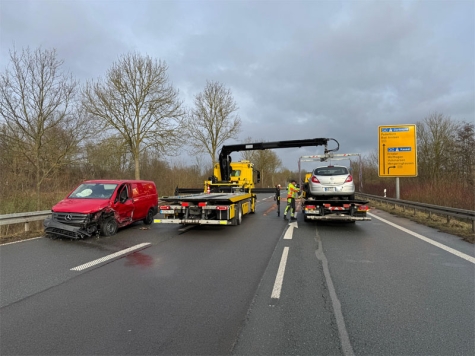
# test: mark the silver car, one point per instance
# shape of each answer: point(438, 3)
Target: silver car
point(331, 182)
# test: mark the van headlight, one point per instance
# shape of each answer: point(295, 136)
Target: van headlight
point(95, 216)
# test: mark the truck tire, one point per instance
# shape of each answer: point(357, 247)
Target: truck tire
point(109, 227)
point(149, 218)
point(237, 220)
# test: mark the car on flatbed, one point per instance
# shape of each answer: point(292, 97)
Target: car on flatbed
point(331, 182)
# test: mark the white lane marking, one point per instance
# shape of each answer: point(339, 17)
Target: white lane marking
point(426, 239)
point(290, 231)
point(280, 275)
point(17, 242)
point(109, 257)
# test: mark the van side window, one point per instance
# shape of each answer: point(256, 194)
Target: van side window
point(123, 193)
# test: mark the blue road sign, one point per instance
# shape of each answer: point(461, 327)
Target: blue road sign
point(399, 149)
point(394, 129)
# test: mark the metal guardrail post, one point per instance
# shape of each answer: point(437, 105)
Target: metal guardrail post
point(24, 218)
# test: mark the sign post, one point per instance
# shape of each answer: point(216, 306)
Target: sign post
point(397, 152)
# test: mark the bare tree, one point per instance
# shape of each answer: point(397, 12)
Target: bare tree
point(436, 138)
point(42, 120)
point(265, 161)
point(465, 151)
point(212, 120)
point(137, 100)
point(109, 158)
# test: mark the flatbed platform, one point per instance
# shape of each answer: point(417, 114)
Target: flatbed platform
point(214, 197)
point(333, 201)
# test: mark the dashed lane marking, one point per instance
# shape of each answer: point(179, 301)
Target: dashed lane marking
point(280, 275)
point(112, 256)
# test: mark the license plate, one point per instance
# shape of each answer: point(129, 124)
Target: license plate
point(329, 189)
point(166, 212)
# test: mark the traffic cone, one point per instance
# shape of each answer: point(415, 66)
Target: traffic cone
point(208, 190)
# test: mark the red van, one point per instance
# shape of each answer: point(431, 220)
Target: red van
point(102, 206)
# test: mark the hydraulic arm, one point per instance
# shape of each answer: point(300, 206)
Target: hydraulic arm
point(225, 158)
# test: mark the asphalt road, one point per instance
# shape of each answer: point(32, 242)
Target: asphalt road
point(262, 288)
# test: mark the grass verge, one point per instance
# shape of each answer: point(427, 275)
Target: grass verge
point(454, 227)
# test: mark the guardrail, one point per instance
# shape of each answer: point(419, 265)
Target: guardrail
point(459, 214)
point(25, 218)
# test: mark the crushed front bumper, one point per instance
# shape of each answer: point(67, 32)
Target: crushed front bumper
point(56, 229)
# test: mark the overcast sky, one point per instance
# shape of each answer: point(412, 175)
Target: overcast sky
point(297, 69)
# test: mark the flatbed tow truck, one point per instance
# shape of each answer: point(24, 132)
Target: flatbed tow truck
point(230, 193)
point(334, 209)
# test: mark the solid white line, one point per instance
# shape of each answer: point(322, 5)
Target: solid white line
point(426, 239)
point(280, 275)
point(16, 242)
point(109, 257)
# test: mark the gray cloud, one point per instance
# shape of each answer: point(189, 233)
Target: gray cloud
point(297, 69)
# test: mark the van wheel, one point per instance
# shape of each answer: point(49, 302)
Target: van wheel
point(109, 227)
point(149, 218)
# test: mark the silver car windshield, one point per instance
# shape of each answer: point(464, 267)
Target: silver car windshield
point(330, 171)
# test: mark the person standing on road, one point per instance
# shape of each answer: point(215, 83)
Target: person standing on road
point(292, 193)
point(277, 198)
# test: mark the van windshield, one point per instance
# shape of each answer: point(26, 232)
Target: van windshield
point(93, 191)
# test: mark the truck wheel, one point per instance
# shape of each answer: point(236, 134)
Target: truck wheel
point(109, 227)
point(239, 217)
point(149, 218)
point(237, 220)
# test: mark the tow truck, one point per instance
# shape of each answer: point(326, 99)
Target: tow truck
point(333, 209)
point(230, 193)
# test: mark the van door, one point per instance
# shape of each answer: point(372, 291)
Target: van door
point(124, 205)
point(140, 201)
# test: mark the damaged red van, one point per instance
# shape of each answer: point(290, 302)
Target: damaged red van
point(100, 207)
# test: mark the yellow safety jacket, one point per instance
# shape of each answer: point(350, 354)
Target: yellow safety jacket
point(292, 191)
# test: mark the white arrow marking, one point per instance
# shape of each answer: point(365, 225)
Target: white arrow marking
point(290, 230)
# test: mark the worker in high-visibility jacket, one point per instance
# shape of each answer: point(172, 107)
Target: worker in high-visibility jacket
point(292, 194)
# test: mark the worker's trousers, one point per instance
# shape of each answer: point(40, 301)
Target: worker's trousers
point(291, 206)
